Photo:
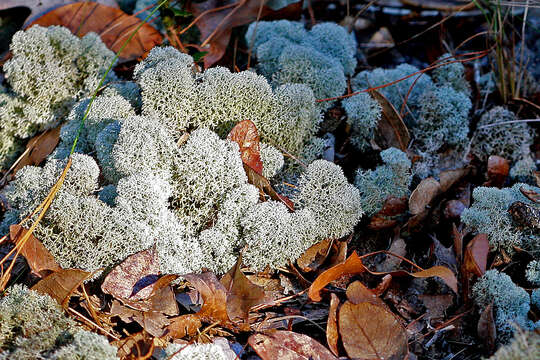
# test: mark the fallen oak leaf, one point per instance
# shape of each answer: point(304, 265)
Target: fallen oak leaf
point(369, 331)
point(246, 136)
point(183, 325)
point(153, 322)
point(111, 24)
point(497, 171)
point(61, 284)
point(280, 344)
point(353, 265)
point(36, 255)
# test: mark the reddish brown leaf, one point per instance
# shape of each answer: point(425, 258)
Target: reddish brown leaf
point(218, 24)
point(214, 295)
point(184, 325)
point(530, 194)
point(137, 346)
point(436, 305)
point(242, 294)
point(332, 334)
point(486, 328)
point(384, 219)
point(371, 332)
point(476, 255)
point(287, 345)
point(497, 171)
point(37, 256)
point(153, 322)
point(245, 134)
point(134, 278)
point(40, 7)
point(263, 184)
point(358, 293)
point(112, 25)
point(439, 271)
point(448, 178)
point(422, 196)
point(61, 284)
point(313, 257)
point(457, 236)
point(391, 130)
point(353, 265)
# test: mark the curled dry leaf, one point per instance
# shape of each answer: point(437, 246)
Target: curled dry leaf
point(353, 265)
point(112, 25)
point(61, 284)
point(287, 345)
point(391, 130)
point(497, 171)
point(136, 346)
point(216, 26)
point(442, 272)
point(358, 293)
point(242, 295)
point(183, 325)
point(332, 334)
point(486, 328)
point(313, 257)
point(246, 136)
point(134, 278)
point(392, 207)
point(530, 194)
point(153, 322)
point(369, 331)
point(422, 196)
point(476, 254)
point(36, 255)
point(263, 184)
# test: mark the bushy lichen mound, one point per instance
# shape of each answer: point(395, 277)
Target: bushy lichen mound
point(489, 214)
point(506, 137)
point(524, 346)
point(182, 99)
point(50, 69)
point(196, 352)
point(33, 326)
point(533, 272)
point(320, 58)
point(511, 303)
point(363, 113)
point(390, 179)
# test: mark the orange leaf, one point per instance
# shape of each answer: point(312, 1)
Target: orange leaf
point(422, 196)
point(61, 284)
point(439, 271)
point(370, 332)
point(358, 293)
point(476, 255)
point(497, 171)
point(36, 255)
point(353, 265)
point(112, 25)
point(246, 136)
point(313, 257)
point(288, 345)
point(332, 334)
point(183, 325)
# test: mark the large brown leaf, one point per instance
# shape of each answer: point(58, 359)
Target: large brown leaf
point(370, 332)
point(422, 196)
point(476, 254)
point(37, 256)
point(60, 285)
point(245, 134)
point(391, 130)
point(287, 345)
point(216, 27)
point(112, 25)
point(353, 265)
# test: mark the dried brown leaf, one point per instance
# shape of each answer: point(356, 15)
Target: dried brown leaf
point(138, 346)
point(263, 184)
point(153, 322)
point(442, 272)
point(287, 345)
point(391, 130)
point(61, 284)
point(476, 254)
point(36, 255)
point(353, 265)
point(245, 134)
point(423, 195)
point(530, 194)
point(315, 256)
point(134, 278)
point(112, 25)
point(183, 325)
point(448, 178)
point(486, 328)
point(497, 171)
point(332, 334)
point(38, 148)
point(358, 293)
point(371, 332)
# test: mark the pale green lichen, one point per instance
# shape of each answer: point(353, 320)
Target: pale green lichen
point(272, 160)
point(524, 346)
point(33, 326)
point(196, 352)
point(363, 113)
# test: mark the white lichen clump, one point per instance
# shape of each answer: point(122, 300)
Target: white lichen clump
point(33, 326)
point(50, 69)
point(197, 352)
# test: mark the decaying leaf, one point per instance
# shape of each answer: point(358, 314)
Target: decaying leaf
point(358, 293)
point(183, 325)
point(38, 148)
point(442, 272)
point(263, 184)
point(288, 345)
point(530, 194)
point(391, 130)
point(370, 332)
point(134, 278)
point(353, 265)
point(61, 284)
point(448, 178)
point(436, 305)
point(422, 196)
point(112, 25)
point(332, 334)
point(476, 254)
point(242, 294)
point(216, 26)
point(136, 346)
point(36, 255)
point(245, 134)
point(486, 328)
point(497, 171)
point(313, 257)
point(153, 322)
point(392, 207)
